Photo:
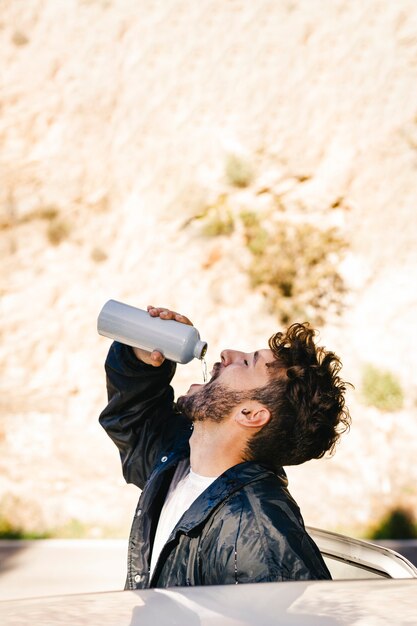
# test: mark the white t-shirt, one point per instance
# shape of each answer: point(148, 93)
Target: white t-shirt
point(183, 491)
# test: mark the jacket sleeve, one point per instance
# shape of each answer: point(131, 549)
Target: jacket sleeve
point(140, 416)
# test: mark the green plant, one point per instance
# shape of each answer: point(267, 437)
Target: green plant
point(218, 225)
point(8, 530)
point(218, 219)
point(238, 171)
point(256, 236)
point(381, 389)
point(20, 518)
point(295, 266)
point(399, 523)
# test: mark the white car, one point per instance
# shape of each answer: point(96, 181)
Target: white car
point(371, 586)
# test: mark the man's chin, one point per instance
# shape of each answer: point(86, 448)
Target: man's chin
point(193, 389)
point(207, 402)
point(197, 386)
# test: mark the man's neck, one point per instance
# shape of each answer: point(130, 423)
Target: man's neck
point(212, 452)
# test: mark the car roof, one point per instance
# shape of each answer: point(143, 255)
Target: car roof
point(347, 557)
point(321, 603)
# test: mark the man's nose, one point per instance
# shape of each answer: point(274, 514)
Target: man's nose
point(231, 356)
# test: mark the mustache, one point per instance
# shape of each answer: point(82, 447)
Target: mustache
point(215, 372)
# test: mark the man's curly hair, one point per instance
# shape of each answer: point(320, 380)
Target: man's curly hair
point(305, 398)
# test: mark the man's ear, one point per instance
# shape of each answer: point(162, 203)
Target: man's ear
point(252, 415)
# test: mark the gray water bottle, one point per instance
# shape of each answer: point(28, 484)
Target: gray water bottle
point(134, 327)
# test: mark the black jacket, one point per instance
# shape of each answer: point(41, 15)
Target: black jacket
point(244, 528)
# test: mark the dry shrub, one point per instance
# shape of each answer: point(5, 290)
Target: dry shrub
point(98, 255)
point(58, 230)
point(238, 170)
point(218, 218)
point(381, 389)
point(295, 267)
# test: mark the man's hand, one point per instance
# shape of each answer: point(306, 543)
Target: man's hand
point(155, 358)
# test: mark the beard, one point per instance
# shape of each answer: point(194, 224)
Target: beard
point(212, 402)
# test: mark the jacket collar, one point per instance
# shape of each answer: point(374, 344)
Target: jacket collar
point(227, 483)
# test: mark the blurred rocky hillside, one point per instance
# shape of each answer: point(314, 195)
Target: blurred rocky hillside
point(118, 121)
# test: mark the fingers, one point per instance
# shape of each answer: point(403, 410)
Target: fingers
point(154, 358)
point(167, 314)
point(157, 358)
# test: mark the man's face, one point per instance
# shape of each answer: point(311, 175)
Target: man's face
point(240, 371)
point(231, 382)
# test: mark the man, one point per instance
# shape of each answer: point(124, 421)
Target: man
point(214, 507)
